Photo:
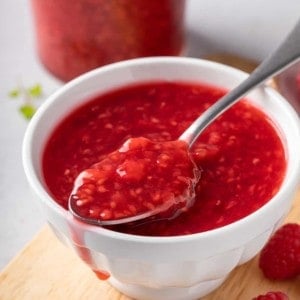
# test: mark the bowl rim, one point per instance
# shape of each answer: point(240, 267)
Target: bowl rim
point(45, 197)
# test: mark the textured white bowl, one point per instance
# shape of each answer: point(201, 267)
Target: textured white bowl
point(162, 268)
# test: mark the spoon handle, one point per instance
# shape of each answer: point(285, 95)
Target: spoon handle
point(287, 53)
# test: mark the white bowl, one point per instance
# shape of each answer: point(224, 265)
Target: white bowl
point(162, 268)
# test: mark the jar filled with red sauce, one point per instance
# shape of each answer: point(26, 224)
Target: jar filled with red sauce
point(74, 37)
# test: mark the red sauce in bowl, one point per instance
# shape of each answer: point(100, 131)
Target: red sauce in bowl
point(241, 155)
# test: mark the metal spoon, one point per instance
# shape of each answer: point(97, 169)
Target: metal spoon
point(286, 54)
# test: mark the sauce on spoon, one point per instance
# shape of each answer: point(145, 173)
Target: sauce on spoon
point(139, 180)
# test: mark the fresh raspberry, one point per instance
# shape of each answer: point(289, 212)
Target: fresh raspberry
point(280, 258)
point(272, 296)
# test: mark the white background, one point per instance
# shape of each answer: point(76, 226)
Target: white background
point(247, 28)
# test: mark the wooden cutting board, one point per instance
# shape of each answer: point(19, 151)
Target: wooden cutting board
point(47, 270)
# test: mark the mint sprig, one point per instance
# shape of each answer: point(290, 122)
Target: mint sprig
point(27, 111)
point(28, 96)
point(35, 91)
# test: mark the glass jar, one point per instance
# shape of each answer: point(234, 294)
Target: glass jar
point(75, 36)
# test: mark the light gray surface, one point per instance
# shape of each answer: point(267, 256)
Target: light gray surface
point(247, 28)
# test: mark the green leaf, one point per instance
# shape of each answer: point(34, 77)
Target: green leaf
point(14, 93)
point(27, 110)
point(35, 91)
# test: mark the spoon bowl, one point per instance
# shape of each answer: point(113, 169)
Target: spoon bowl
point(140, 180)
